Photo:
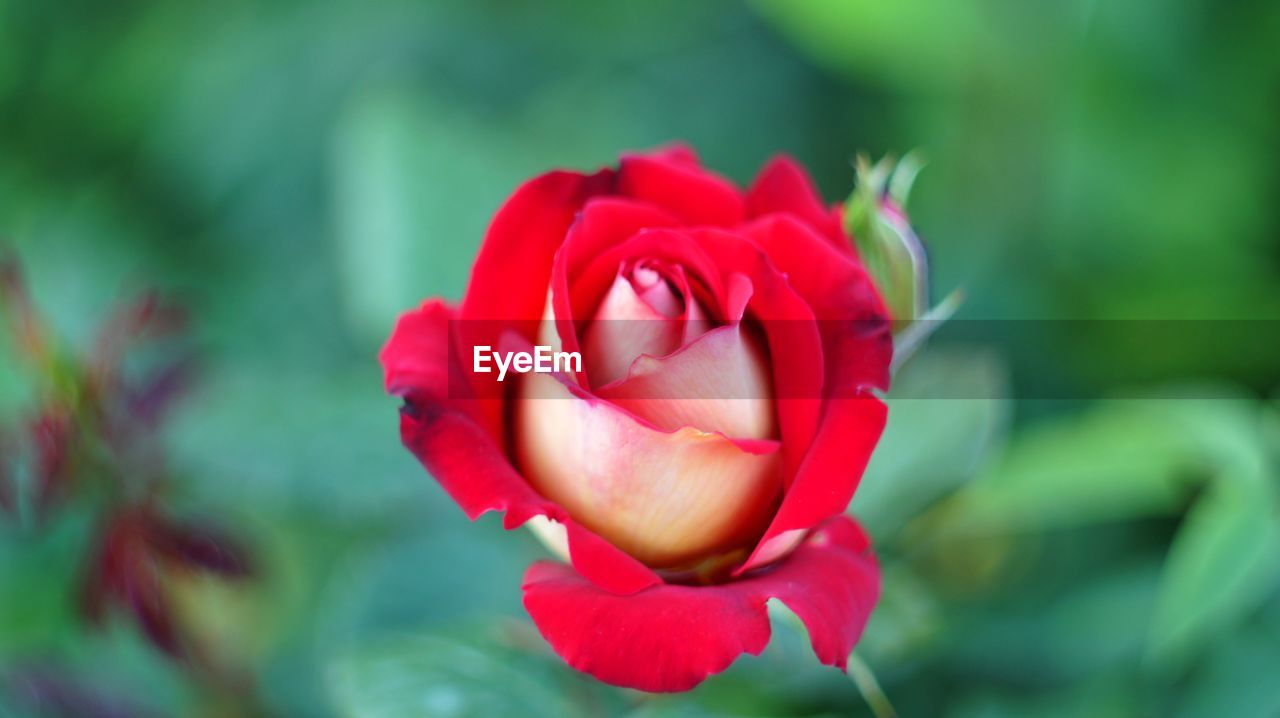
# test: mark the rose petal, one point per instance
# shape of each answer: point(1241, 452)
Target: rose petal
point(670, 638)
point(625, 327)
point(695, 195)
point(783, 186)
point(656, 292)
point(667, 638)
point(509, 281)
point(437, 425)
point(677, 153)
point(604, 222)
point(850, 312)
point(857, 347)
point(416, 358)
point(827, 478)
point(668, 246)
point(667, 498)
point(729, 281)
point(795, 344)
point(513, 268)
point(741, 271)
point(832, 583)
point(468, 465)
point(720, 382)
point(457, 452)
point(696, 320)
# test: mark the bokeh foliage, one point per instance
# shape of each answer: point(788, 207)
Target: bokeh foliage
point(298, 172)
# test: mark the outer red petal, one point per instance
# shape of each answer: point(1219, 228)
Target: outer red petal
point(671, 245)
point(670, 638)
point(857, 347)
point(513, 269)
point(783, 185)
point(437, 424)
point(832, 582)
point(508, 286)
point(694, 195)
point(604, 222)
point(827, 478)
point(794, 340)
point(463, 458)
point(416, 358)
point(678, 153)
point(850, 312)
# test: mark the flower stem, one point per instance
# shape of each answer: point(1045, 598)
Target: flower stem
point(862, 676)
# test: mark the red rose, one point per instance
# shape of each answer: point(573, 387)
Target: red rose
point(700, 461)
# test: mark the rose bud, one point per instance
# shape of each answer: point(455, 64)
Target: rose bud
point(876, 218)
point(699, 460)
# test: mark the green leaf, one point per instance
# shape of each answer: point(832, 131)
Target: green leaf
point(947, 411)
point(1225, 558)
point(1095, 625)
point(1122, 460)
point(1223, 563)
point(1227, 430)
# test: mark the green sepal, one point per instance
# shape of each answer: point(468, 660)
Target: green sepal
point(876, 220)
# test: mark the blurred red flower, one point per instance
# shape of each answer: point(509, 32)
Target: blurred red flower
point(95, 436)
point(139, 547)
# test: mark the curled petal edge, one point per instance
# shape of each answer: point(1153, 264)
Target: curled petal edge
point(437, 427)
point(671, 637)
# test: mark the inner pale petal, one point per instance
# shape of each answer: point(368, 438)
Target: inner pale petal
point(721, 382)
point(656, 292)
point(667, 498)
point(624, 327)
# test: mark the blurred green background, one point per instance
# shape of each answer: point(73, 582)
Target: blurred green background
point(297, 173)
